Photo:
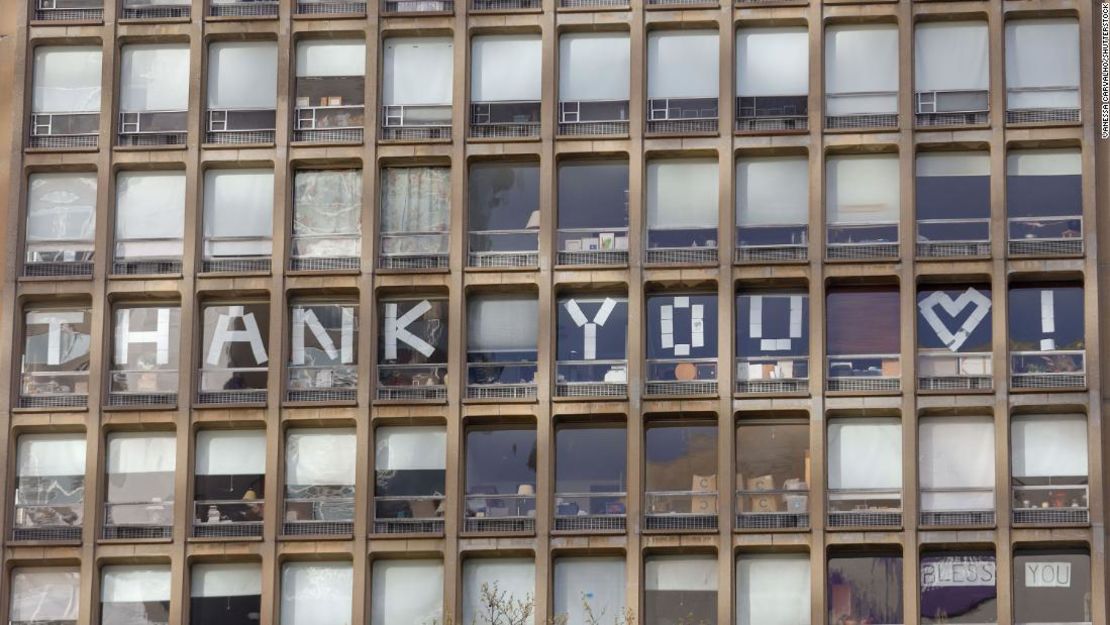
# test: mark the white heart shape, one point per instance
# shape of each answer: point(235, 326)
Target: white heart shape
point(954, 307)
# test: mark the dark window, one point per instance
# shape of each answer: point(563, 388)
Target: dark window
point(590, 470)
point(681, 468)
point(773, 467)
point(591, 344)
point(682, 337)
point(225, 594)
point(593, 206)
point(863, 330)
point(953, 196)
point(865, 589)
point(500, 462)
point(772, 336)
point(1046, 330)
point(1052, 586)
point(55, 352)
point(412, 342)
point(958, 587)
point(233, 350)
point(409, 472)
point(504, 207)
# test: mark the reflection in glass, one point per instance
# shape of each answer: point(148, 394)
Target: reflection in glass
point(500, 473)
point(45, 595)
point(681, 475)
point(592, 212)
point(323, 351)
point(412, 348)
point(958, 587)
point(319, 481)
point(772, 473)
point(415, 217)
point(50, 486)
point(135, 595)
point(410, 472)
point(503, 208)
point(55, 363)
point(590, 477)
point(865, 588)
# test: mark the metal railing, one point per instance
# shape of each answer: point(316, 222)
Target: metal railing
point(948, 371)
point(862, 241)
point(591, 378)
point(232, 518)
point(414, 249)
point(592, 246)
point(64, 130)
point(239, 126)
point(508, 513)
point(682, 116)
point(772, 374)
point(56, 400)
point(404, 122)
point(772, 113)
point(418, 6)
point(504, 119)
point(52, 259)
point(501, 380)
point(860, 119)
point(593, 117)
point(772, 243)
point(137, 387)
point(411, 382)
point(46, 522)
point(484, 252)
point(681, 255)
point(968, 516)
point(1046, 236)
point(1056, 504)
point(324, 7)
point(673, 376)
point(935, 237)
point(243, 8)
point(870, 507)
point(68, 10)
point(322, 383)
point(54, 388)
point(1048, 369)
point(409, 514)
point(318, 516)
point(864, 372)
point(152, 128)
point(590, 512)
point(138, 520)
point(154, 11)
point(956, 107)
point(339, 123)
point(1043, 115)
point(772, 509)
point(680, 510)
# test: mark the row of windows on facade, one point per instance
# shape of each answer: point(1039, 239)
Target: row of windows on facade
point(1049, 585)
point(951, 84)
point(1047, 481)
point(862, 208)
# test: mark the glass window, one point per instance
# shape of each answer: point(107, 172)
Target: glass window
point(417, 78)
point(234, 347)
point(591, 340)
point(862, 201)
point(682, 202)
point(61, 221)
point(150, 221)
point(682, 337)
point(1049, 467)
point(681, 469)
point(407, 592)
point(958, 587)
point(864, 332)
point(591, 470)
point(1042, 65)
point(1044, 197)
point(683, 75)
point(504, 209)
point(45, 595)
point(953, 203)
point(505, 69)
point(50, 486)
point(500, 472)
point(772, 202)
point(229, 486)
point(865, 588)
point(772, 338)
point(319, 481)
point(140, 489)
point(509, 584)
point(773, 471)
point(410, 472)
point(238, 217)
point(680, 589)
point(242, 86)
point(65, 95)
point(954, 338)
point(951, 67)
point(590, 590)
point(772, 78)
point(594, 79)
point(865, 470)
point(145, 351)
point(415, 217)
point(501, 340)
point(329, 88)
point(861, 71)
point(1052, 586)
point(225, 594)
point(1046, 335)
point(323, 350)
point(135, 595)
point(412, 347)
point(956, 468)
point(316, 592)
point(55, 363)
point(327, 222)
point(154, 89)
point(773, 589)
point(593, 212)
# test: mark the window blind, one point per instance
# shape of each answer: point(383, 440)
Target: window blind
point(417, 70)
point(316, 592)
point(403, 448)
point(140, 452)
point(594, 66)
point(320, 457)
point(861, 61)
point(950, 56)
point(1042, 63)
point(66, 79)
point(45, 595)
point(955, 454)
point(943, 164)
point(682, 193)
point(502, 323)
point(234, 452)
point(680, 573)
point(331, 57)
point(242, 75)
point(772, 61)
point(862, 189)
point(1056, 162)
point(505, 68)
point(683, 64)
point(1049, 445)
point(516, 577)
point(865, 453)
point(238, 203)
point(597, 582)
point(772, 190)
point(154, 77)
point(150, 205)
point(407, 592)
point(50, 455)
point(773, 589)
point(61, 207)
point(226, 580)
point(135, 584)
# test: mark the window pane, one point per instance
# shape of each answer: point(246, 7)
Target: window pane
point(319, 481)
point(154, 78)
point(1047, 319)
point(956, 463)
point(958, 587)
point(504, 207)
point(61, 217)
point(1044, 183)
point(55, 352)
point(417, 71)
point(238, 212)
point(229, 482)
point(505, 68)
point(323, 346)
point(773, 589)
point(590, 468)
point(680, 589)
point(681, 458)
point(682, 203)
point(955, 321)
point(771, 191)
point(225, 593)
point(45, 595)
point(772, 62)
point(865, 589)
point(415, 213)
point(683, 64)
point(862, 190)
point(412, 342)
point(1052, 586)
point(682, 326)
point(952, 196)
point(515, 577)
point(410, 468)
point(593, 195)
point(1047, 447)
point(242, 75)
point(66, 79)
point(501, 339)
point(150, 214)
point(862, 321)
point(1042, 63)
point(951, 56)
point(591, 344)
point(861, 69)
point(330, 84)
point(140, 489)
point(589, 587)
point(407, 592)
point(865, 454)
point(135, 595)
point(316, 592)
point(50, 482)
point(594, 66)
point(772, 324)
point(145, 350)
point(500, 462)
point(327, 208)
point(773, 457)
point(234, 347)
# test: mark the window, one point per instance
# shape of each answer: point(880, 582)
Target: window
point(225, 594)
point(682, 211)
point(406, 592)
point(683, 75)
point(590, 587)
point(958, 587)
point(1042, 70)
point(515, 577)
point(50, 487)
point(150, 222)
point(680, 589)
point(65, 97)
point(951, 73)
point(590, 477)
point(505, 85)
point(953, 204)
point(145, 355)
point(594, 83)
point(1052, 585)
point(772, 208)
point(327, 219)
point(865, 473)
point(681, 344)
point(501, 344)
point(1046, 336)
point(242, 92)
point(773, 589)
point(863, 338)
point(140, 488)
point(956, 470)
point(415, 217)
point(135, 595)
point(681, 475)
point(61, 224)
point(417, 83)
point(238, 219)
point(1044, 202)
point(500, 479)
point(330, 90)
point(154, 9)
point(504, 214)
point(1049, 468)
point(316, 592)
point(861, 76)
point(410, 473)
point(229, 488)
point(55, 363)
point(154, 94)
point(865, 587)
point(772, 79)
point(772, 473)
point(772, 342)
point(412, 348)
point(45, 595)
point(323, 364)
point(592, 212)
point(954, 338)
point(235, 365)
point(591, 346)
point(319, 481)
point(862, 204)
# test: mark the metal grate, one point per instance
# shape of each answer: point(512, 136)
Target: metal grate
point(493, 131)
point(55, 270)
point(865, 518)
point(599, 257)
point(330, 263)
point(951, 120)
point(251, 8)
point(416, 261)
point(772, 254)
point(880, 120)
point(415, 133)
point(1046, 247)
point(331, 8)
point(236, 265)
point(772, 386)
point(588, 523)
point(582, 129)
point(408, 526)
point(322, 395)
point(142, 399)
point(47, 534)
point(680, 522)
point(318, 528)
point(772, 124)
point(232, 137)
point(69, 15)
point(681, 126)
point(948, 249)
point(956, 383)
point(685, 256)
point(231, 397)
point(418, 6)
point(1077, 380)
point(142, 139)
point(1043, 116)
point(872, 251)
point(411, 393)
point(964, 518)
point(156, 12)
point(583, 4)
point(865, 384)
point(505, 5)
point(137, 532)
point(63, 142)
point(145, 267)
point(591, 389)
point(499, 526)
point(329, 135)
point(501, 391)
point(53, 401)
point(504, 259)
point(772, 521)
point(1052, 516)
point(681, 388)
point(227, 530)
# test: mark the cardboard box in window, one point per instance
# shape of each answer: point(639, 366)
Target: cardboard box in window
point(892, 368)
point(762, 503)
point(704, 504)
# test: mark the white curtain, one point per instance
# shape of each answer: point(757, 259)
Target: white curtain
point(862, 189)
point(402, 448)
point(505, 68)
point(45, 594)
point(516, 577)
point(51, 455)
point(1049, 445)
point(698, 573)
point(417, 70)
point(154, 77)
point(226, 580)
point(594, 66)
point(61, 206)
point(320, 457)
point(861, 59)
point(141, 452)
point(313, 593)
point(597, 581)
point(772, 61)
point(239, 203)
point(502, 323)
point(951, 55)
point(331, 57)
point(956, 453)
point(135, 583)
point(66, 79)
point(1058, 162)
point(242, 75)
point(1042, 53)
point(865, 453)
point(150, 205)
point(683, 64)
point(682, 193)
point(407, 592)
point(934, 164)
point(231, 452)
point(772, 589)
point(772, 190)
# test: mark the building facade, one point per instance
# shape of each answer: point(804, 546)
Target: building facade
point(552, 311)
